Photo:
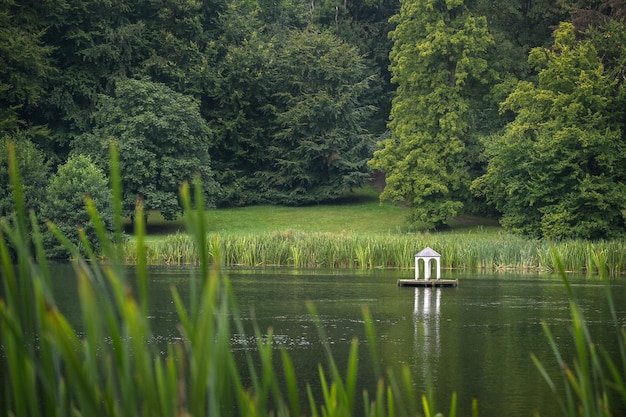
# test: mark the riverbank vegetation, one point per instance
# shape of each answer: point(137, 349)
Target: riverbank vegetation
point(358, 232)
point(469, 251)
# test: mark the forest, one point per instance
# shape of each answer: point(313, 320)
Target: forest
point(508, 108)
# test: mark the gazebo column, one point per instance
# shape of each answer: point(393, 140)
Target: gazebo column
point(427, 255)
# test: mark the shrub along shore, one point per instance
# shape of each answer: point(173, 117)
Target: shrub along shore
point(465, 251)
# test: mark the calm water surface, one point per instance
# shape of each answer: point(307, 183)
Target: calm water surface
point(475, 339)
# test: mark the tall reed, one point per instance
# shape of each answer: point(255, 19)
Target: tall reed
point(594, 381)
point(470, 252)
point(109, 365)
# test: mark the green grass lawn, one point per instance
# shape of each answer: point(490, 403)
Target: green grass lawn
point(355, 212)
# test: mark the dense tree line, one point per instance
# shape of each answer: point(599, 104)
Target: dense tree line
point(475, 127)
point(476, 106)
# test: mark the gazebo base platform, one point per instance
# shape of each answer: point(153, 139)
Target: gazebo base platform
point(428, 283)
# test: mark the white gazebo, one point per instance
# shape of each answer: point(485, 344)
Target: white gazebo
point(427, 255)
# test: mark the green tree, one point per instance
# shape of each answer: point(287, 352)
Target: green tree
point(25, 63)
point(33, 167)
point(65, 206)
point(96, 42)
point(320, 146)
point(239, 113)
point(162, 141)
point(438, 62)
point(363, 24)
point(559, 169)
point(517, 26)
point(179, 44)
point(590, 13)
point(237, 94)
point(290, 119)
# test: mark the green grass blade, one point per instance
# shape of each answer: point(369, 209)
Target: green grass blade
point(351, 375)
point(453, 406)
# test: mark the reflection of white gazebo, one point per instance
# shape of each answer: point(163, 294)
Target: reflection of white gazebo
point(427, 255)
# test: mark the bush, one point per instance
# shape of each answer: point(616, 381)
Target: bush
point(75, 181)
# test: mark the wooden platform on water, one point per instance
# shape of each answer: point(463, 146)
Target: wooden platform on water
point(429, 283)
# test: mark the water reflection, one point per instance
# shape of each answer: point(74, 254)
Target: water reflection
point(426, 326)
point(474, 341)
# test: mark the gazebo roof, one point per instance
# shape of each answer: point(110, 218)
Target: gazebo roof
point(427, 253)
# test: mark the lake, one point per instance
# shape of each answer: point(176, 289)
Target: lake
point(475, 339)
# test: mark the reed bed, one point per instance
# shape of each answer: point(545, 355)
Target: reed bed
point(462, 251)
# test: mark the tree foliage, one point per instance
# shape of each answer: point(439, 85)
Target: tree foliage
point(293, 130)
point(25, 63)
point(239, 113)
point(319, 145)
point(438, 62)
point(33, 167)
point(559, 169)
point(162, 141)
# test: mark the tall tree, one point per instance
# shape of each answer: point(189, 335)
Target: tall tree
point(319, 144)
point(162, 141)
point(96, 42)
point(439, 63)
point(177, 38)
point(559, 169)
point(364, 24)
point(238, 109)
point(25, 63)
point(590, 13)
point(289, 113)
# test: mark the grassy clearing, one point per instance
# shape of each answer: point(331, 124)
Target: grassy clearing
point(358, 212)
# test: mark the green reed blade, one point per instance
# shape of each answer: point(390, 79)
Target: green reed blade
point(40, 255)
point(474, 407)
point(351, 375)
point(18, 191)
point(68, 344)
point(453, 406)
point(142, 272)
point(291, 383)
point(8, 270)
point(116, 199)
point(371, 340)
